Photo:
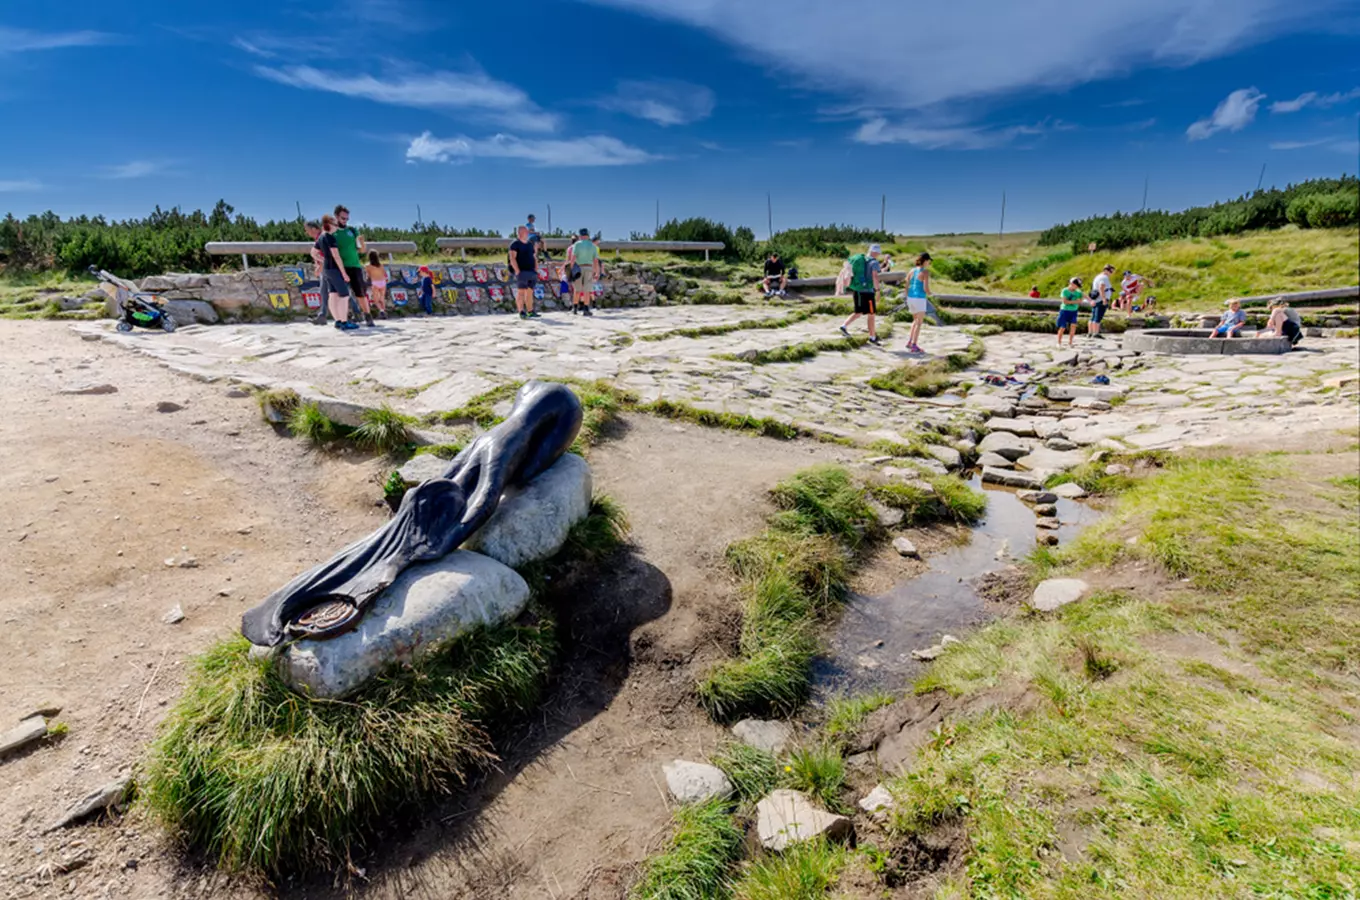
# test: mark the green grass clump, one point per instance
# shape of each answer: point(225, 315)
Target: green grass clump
point(279, 402)
point(706, 842)
point(752, 771)
point(932, 498)
point(928, 378)
point(805, 871)
point(958, 502)
point(767, 427)
point(383, 430)
point(744, 325)
point(791, 353)
point(826, 500)
point(603, 531)
point(983, 331)
point(479, 410)
point(818, 772)
point(885, 447)
point(1189, 736)
point(844, 715)
point(263, 779)
point(308, 422)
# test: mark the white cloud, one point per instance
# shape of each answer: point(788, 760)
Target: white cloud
point(928, 136)
point(1237, 111)
point(253, 47)
point(137, 168)
point(1313, 98)
point(595, 150)
point(1297, 145)
point(439, 90)
point(663, 102)
point(913, 55)
point(21, 40)
point(16, 186)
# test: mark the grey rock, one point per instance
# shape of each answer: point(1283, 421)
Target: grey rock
point(89, 388)
point(1009, 478)
point(1050, 524)
point(1048, 428)
point(191, 312)
point(949, 640)
point(995, 460)
point(168, 406)
point(906, 548)
point(1046, 539)
point(1058, 443)
point(1023, 427)
point(1065, 358)
point(929, 653)
point(428, 605)
point(1117, 469)
point(237, 393)
point(1038, 496)
point(951, 458)
point(107, 797)
point(878, 803)
point(421, 468)
point(888, 516)
point(1090, 403)
point(532, 522)
point(1047, 510)
point(1070, 491)
point(1055, 593)
point(692, 782)
point(174, 616)
point(763, 734)
point(1003, 443)
point(34, 728)
point(785, 818)
point(1094, 391)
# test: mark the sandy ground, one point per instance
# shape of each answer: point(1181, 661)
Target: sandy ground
point(102, 490)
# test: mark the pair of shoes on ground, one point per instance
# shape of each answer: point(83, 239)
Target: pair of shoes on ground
point(529, 315)
point(914, 348)
point(346, 326)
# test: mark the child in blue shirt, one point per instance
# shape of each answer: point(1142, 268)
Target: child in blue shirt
point(426, 290)
point(1232, 321)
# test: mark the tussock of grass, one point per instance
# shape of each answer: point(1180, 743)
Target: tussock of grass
point(280, 401)
point(928, 378)
point(308, 422)
point(825, 500)
point(263, 779)
point(791, 353)
point(752, 771)
point(479, 410)
point(915, 448)
point(767, 427)
point(805, 871)
point(844, 715)
point(694, 866)
point(932, 498)
point(744, 325)
point(383, 430)
point(600, 533)
point(601, 404)
point(818, 772)
point(1186, 778)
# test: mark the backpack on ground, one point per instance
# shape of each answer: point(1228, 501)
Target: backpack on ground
point(860, 280)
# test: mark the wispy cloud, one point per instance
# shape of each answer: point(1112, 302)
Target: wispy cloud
point(137, 168)
point(460, 92)
point(255, 47)
point(21, 40)
point(664, 102)
point(1124, 104)
point(1297, 145)
point(1237, 111)
point(1141, 125)
point(1313, 98)
point(27, 184)
point(927, 136)
point(595, 150)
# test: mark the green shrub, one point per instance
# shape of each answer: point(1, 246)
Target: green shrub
point(308, 422)
point(1335, 210)
point(394, 488)
point(263, 779)
point(962, 268)
point(694, 866)
point(805, 871)
point(826, 500)
point(1203, 263)
point(818, 772)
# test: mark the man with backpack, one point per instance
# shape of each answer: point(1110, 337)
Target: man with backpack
point(865, 281)
point(1101, 292)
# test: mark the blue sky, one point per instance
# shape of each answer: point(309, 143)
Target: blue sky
point(480, 113)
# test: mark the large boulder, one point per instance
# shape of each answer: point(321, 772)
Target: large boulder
point(191, 312)
point(532, 521)
point(1003, 443)
point(1056, 593)
point(785, 818)
point(428, 606)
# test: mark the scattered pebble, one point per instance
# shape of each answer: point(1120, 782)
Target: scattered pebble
point(174, 616)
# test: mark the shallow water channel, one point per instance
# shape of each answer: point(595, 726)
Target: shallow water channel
point(870, 646)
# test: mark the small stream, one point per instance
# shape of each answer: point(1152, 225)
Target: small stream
point(870, 646)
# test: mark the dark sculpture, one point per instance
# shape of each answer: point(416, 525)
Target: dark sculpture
point(434, 518)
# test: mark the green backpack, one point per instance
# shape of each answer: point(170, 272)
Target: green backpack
point(860, 280)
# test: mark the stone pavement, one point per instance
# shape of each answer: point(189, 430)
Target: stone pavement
point(426, 365)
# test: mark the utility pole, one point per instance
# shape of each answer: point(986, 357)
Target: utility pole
point(769, 218)
point(420, 220)
point(299, 207)
point(1003, 215)
point(657, 226)
point(1145, 187)
point(883, 213)
point(1262, 178)
point(549, 218)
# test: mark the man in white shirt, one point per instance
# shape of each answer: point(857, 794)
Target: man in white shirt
point(1101, 292)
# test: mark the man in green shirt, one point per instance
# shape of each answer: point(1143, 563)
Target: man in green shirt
point(351, 244)
point(585, 254)
point(1067, 313)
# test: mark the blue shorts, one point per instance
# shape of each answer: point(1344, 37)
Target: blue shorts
point(334, 281)
point(1098, 312)
point(1067, 318)
point(526, 281)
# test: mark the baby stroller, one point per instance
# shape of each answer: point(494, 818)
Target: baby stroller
point(135, 309)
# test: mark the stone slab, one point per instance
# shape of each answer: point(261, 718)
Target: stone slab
point(764, 734)
point(32, 729)
point(1056, 593)
point(532, 522)
point(426, 607)
point(785, 818)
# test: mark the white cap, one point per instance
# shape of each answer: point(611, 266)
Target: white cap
point(874, 248)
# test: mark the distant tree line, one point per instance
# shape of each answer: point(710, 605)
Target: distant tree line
point(166, 240)
point(741, 245)
point(1319, 203)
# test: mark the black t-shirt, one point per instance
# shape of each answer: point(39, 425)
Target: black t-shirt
point(774, 267)
point(326, 243)
point(524, 255)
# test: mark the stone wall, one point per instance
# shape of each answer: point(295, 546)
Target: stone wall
point(462, 289)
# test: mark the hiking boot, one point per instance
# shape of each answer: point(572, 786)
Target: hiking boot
point(523, 314)
point(587, 311)
point(349, 326)
point(339, 326)
point(875, 341)
point(844, 331)
point(368, 320)
point(534, 315)
point(318, 320)
point(575, 308)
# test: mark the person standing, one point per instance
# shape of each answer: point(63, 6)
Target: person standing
point(426, 294)
point(1101, 292)
point(377, 282)
point(534, 237)
point(586, 255)
point(351, 244)
point(524, 263)
point(1130, 287)
point(318, 263)
point(918, 299)
point(866, 277)
point(774, 274)
point(334, 279)
point(1067, 312)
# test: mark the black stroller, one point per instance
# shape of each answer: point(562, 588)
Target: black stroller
point(135, 309)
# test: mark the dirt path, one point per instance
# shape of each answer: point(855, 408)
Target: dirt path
point(102, 490)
